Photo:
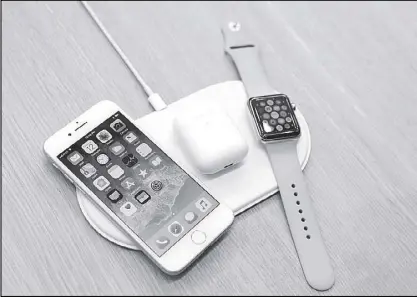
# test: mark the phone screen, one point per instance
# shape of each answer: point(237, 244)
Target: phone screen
point(138, 182)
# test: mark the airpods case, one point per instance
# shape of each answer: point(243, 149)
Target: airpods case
point(210, 139)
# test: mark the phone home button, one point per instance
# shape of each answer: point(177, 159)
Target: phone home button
point(198, 237)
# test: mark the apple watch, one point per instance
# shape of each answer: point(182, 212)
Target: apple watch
point(276, 123)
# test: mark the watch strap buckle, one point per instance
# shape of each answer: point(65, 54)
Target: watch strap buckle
point(234, 37)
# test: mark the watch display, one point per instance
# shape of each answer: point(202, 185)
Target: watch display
point(274, 117)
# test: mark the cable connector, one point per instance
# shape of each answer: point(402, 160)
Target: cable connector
point(154, 99)
point(157, 102)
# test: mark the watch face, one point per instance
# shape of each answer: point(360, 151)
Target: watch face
point(274, 117)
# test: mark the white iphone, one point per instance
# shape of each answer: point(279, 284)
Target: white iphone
point(171, 216)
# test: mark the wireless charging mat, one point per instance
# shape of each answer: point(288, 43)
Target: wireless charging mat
point(240, 186)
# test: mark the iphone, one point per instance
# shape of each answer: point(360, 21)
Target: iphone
point(171, 215)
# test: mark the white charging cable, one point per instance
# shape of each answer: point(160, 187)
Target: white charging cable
point(154, 98)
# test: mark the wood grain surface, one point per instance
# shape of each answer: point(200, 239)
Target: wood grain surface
point(352, 67)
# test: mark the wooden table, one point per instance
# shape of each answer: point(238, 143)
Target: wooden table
point(352, 69)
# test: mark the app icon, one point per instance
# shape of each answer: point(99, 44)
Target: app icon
point(203, 204)
point(88, 170)
point(143, 149)
point(75, 158)
point(104, 136)
point(103, 159)
point(117, 125)
point(116, 171)
point(130, 160)
point(128, 209)
point(143, 173)
point(117, 148)
point(176, 229)
point(114, 195)
point(162, 242)
point(130, 137)
point(89, 147)
point(156, 185)
point(190, 217)
point(101, 183)
point(155, 161)
point(128, 183)
point(142, 197)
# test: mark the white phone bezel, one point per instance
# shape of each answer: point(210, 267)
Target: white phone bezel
point(182, 254)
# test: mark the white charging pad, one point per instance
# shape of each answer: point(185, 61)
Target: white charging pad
point(240, 186)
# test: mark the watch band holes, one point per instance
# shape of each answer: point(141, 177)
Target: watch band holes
point(295, 194)
point(300, 211)
point(303, 220)
point(298, 202)
point(308, 237)
point(293, 186)
point(305, 228)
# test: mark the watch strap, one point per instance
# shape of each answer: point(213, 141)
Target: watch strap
point(244, 53)
point(300, 214)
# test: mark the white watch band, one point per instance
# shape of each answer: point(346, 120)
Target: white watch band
point(284, 161)
point(300, 214)
point(246, 58)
